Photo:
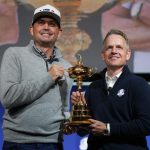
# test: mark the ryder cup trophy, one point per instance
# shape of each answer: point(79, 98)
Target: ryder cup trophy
point(80, 113)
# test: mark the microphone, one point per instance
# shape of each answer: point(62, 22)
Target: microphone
point(109, 90)
point(51, 59)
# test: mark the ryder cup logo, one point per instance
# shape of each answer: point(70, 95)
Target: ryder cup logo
point(121, 92)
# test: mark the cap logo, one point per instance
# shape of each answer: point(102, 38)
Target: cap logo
point(48, 10)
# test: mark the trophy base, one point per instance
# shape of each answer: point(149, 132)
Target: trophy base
point(75, 123)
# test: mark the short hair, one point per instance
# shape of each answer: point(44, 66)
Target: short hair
point(117, 32)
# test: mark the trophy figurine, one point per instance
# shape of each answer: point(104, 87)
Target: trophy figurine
point(80, 113)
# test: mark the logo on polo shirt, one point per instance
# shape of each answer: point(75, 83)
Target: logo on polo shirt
point(121, 92)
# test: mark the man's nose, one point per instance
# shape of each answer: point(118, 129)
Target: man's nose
point(46, 25)
point(114, 50)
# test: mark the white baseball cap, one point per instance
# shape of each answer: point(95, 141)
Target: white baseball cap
point(47, 11)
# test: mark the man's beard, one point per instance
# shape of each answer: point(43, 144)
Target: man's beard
point(48, 43)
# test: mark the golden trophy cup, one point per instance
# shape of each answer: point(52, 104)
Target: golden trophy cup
point(80, 113)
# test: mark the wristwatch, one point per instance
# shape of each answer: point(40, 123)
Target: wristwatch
point(106, 131)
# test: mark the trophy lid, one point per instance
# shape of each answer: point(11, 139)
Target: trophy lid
point(79, 70)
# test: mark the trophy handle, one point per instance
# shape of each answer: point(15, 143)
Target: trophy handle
point(92, 71)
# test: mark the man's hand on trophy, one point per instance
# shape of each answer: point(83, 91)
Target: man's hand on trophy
point(69, 129)
point(78, 97)
point(98, 127)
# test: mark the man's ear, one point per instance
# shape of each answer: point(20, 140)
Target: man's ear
point(102, 55)
point(60, 33)
point(31, 30)
point(128, 55)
